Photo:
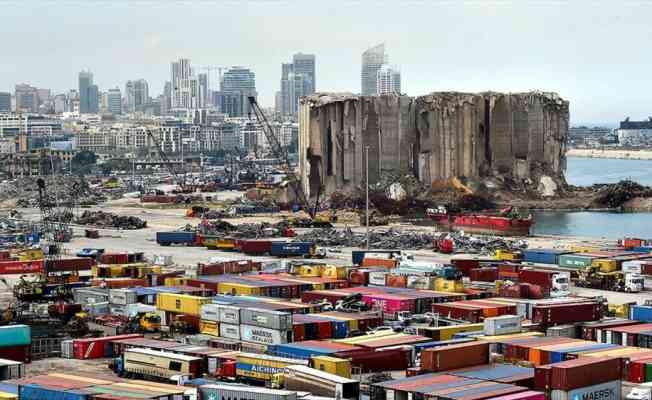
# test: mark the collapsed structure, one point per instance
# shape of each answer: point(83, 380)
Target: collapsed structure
point(520, 136)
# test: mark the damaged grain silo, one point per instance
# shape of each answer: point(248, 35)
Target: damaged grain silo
point(434, 137)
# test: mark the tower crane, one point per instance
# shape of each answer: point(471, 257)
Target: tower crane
point(282, 154)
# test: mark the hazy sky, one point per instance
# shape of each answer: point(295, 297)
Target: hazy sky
point(595, 54)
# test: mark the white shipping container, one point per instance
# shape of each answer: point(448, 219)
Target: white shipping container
point(502, 325)
point(230, 315)
point(230, 331)
point(632, 267)
point(267, 336)
point(96, 309)
point(377, 278)
point(117, 309)
point(132, 310)
point(210, 312)
point(604, 391)
point(66, 349)
point(122, 296)
point(420, 282)
point(569, 331)
point(266, 318)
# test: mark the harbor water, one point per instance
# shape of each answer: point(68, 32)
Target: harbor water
point(592, 224)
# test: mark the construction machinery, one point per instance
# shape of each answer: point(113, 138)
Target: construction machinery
point(281, 153)
point(145, 322)
point(351, 303)
point(618, 281)
point(179, 179)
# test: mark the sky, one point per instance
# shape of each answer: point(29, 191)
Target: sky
point(593, 53)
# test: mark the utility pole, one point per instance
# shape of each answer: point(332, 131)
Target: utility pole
point(366, 159)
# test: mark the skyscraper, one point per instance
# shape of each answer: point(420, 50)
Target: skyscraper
point(186, 88)
point(238, 83)
point(114, 100)
point(136, 94)
point(26, 98)
point(297, 80)
point(388, 80)
point(166, 100)
point(304, 64)
point(203, 89)
point(372, 60)
point(88, 94)
point(5, 102)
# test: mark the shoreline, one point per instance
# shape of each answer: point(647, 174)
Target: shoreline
point(645, 155)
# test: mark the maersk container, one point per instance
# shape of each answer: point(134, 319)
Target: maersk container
point(230, 331)
point(266, 318)
point(502, 325)
point(224, 391)
point(15, 335)
point(210, 312)
point(641, 313)
point(229, 314)
point(604, 391)
point(543, 256)
point(266, 336)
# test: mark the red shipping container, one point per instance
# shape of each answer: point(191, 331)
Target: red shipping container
point(566, 313)
point(536, 277)
point(359, 277)
point(17, 353)
point(542, 377)
point(381, 360)
point(489, 274)
point(527, 395)
point(5, 255)
point(324, 330)
point(91, 348)
point(119, 283)
point(458, 311)
point(70, 264)
point(255, 247)
point(585, 371)
point(455, 356)
point(646, 269)
point(21, 267)
point(298, 332)
point(114, 258)
point(465, 265)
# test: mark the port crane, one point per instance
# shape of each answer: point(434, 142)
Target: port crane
point(178, 178)
point(282, 154)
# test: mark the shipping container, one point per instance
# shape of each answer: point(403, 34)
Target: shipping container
point(575, 261)
point(181, 303)
point(239, 392)
point(266, 318)
point(168, 238)
point(378, 278)
point(262, 367)
point(265, 336)
point(22, 267)
point(160, 364)
point(69, 264)
point(566, 313)
point(15, 335)
point(123, 296)
point(454, 356)
point(603, 391)
point(641, 313)
point(582, 372)
point(502, 325)
point(210, 312)
point(92, 348)
point(292, 249)
point(229, 314)
point(230, 331)
point(543, 256)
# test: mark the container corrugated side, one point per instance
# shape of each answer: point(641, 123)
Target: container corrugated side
point(604, 391)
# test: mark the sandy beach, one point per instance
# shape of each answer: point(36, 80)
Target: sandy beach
point(611, 153)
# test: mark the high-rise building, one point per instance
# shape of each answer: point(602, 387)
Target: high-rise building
point(137, 95)
point(372, 60)
point(166, 98)
point(26, 98)
point(305, 64)
point(186, 89)
point(60, 104)
point(238, 83)
point(114, 100)
point(297, 80)
point(88, 94)
point(203, 89)
point(5, 102)
point(388, 81)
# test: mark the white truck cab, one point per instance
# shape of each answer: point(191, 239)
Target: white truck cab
point(560, 284)
point(634, 283)
point(641, 392)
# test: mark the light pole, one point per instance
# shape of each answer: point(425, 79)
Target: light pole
point(366, 159)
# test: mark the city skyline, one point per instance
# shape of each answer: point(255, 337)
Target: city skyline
point(434, 51)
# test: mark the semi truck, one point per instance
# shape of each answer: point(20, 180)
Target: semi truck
point(618, 281)
point(552, 283)
point(168, 238)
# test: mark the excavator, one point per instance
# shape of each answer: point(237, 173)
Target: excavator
point(351, 303)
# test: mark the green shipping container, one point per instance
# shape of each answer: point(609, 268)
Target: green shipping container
point(15, 335)
point(648, 372)
point(574, 261)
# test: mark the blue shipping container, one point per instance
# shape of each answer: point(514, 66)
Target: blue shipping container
point(543, 256)
point(15, 335)
point(168, 238)
point(641, 313)
point(292, 248)
point(36, 392)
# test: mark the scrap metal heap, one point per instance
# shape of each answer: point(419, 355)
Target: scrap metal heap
point(514, 138)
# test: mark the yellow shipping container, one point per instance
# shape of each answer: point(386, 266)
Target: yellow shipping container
point(620, 352)
point(108, 271)
point(4, 395)
point(209, 328)
point(238, 289)
point(172, 282)
point(311, 270)
point(605, 264)
point(30, 254)
point(384, 334)
point(507, 255)
point(447, 332)
point(334, 272)
point(449, 286)
point(181, 303)
point(219, 244)
point(584, 248)
point(332, 365)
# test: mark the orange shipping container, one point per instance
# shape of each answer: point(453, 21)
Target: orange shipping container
point(399, 281)
point(378, 262)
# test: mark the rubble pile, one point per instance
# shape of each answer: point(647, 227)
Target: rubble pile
point(66, 190)
point(481, 244)
point(242, 231)
point(103, 219)
point(378, 239)
point(617, 194)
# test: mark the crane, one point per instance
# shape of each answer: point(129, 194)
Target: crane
point(281, 153)
point(179, 179)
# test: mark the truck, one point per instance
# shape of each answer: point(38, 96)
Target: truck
point(618, 281)
point(154, 364)
point(552, 283)
point(175, 237)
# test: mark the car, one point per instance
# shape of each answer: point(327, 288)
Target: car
point(90, 252)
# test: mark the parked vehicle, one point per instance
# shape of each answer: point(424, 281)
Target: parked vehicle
point(168, 238)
